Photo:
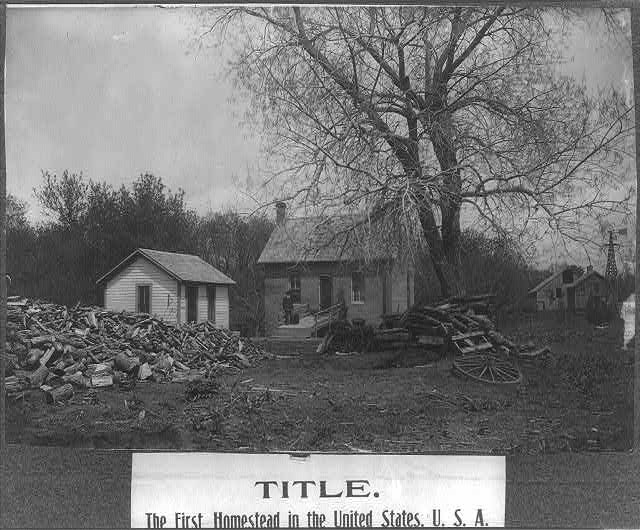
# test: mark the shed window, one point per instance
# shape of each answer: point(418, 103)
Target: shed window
point(294, 287)
point(144, 299)
point(357, 287)
point(558, 292)
point(211, 303)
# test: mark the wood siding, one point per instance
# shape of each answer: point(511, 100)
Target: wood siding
point(222, 306)
point(120, 291)
point(592, 286)
point(547, 299)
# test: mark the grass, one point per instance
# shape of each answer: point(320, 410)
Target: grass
point(580, 400)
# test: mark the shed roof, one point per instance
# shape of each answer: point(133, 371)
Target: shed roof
point(183, 267)
point(324, 239)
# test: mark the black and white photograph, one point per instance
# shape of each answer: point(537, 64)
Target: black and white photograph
point(345, 229)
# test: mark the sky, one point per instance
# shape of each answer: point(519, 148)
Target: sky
point(114, 92)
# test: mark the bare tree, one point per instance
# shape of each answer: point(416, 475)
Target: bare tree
point(410, 113)
point(65, 198)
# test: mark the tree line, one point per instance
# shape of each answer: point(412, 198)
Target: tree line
point(91, 226)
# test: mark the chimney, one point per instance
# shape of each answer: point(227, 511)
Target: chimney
point(281, 210)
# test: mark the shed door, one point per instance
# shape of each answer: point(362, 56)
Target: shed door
point(211, 302)
point(326, 294)
point(192, 303)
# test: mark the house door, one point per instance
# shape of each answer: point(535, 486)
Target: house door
point(192, 303)
point(386, 294)
point(326, 294)
point(571, 300)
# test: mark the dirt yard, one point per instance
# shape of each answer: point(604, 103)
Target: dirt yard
point(579, 400)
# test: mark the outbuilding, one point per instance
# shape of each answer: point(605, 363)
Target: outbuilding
point(168, 285)
point(568, 289)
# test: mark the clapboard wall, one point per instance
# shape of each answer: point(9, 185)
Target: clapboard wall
point(120, 291)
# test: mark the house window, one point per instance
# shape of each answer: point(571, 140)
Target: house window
point(567, 276)
point(357, 287)
point(211, 303)
point(143, 296)
point(294, 287)
point(558, 292)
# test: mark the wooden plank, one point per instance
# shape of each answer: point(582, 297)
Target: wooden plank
point(469, 335)
point(430, 340)
point(475, 349)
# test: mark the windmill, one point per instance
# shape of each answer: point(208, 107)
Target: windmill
point(611, 272)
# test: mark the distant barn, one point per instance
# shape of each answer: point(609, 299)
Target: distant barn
point(568, 289)
point(174, 287)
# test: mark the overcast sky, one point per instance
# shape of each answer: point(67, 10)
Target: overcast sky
point(114, 92)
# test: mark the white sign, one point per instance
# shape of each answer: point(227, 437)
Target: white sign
point(208, 490)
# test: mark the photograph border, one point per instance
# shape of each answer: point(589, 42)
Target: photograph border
point(61, 487)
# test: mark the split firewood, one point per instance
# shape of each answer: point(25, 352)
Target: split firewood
point(45, 358)
point(77, 379)
point(98, 381)
point(37, 378)
point(61, 393)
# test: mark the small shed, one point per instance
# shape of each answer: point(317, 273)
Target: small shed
point(174, 287)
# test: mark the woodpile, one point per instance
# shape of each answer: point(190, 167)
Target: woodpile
point(462, 317)
point(453, 316)
point(431, 327)
point(59, 349)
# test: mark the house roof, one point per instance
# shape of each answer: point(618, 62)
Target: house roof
point(323, 239)
point(584, 277)
point(182, 267)
point(548, 280)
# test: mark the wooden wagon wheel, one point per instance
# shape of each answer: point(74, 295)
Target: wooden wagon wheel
point(488, 369)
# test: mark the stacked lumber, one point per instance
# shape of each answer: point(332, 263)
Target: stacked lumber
point(51, 346)
point(432, 324)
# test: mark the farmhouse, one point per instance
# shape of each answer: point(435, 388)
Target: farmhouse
point(568, 289)
point(174, 287)
point(325, 261)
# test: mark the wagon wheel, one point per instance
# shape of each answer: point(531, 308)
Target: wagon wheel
point(488, 369)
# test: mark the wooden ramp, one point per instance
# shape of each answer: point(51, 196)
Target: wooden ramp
point(310, 325)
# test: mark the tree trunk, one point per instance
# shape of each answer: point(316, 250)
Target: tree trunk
point(444, 148)
point(447, 271)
